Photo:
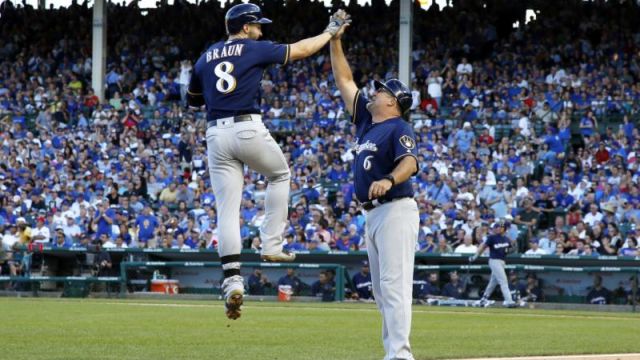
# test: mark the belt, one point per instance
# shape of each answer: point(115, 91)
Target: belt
point(234, 119)
point(370, 205)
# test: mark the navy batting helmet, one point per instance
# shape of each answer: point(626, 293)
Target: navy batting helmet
point(242, 14)
point(400, 91)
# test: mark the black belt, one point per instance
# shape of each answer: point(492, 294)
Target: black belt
point(234, 119)
point(370, 205)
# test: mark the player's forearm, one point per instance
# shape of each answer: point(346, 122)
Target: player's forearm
point(309, 46)
point(341, 70)
point(405, 169)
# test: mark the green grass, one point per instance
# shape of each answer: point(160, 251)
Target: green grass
point(138, 329)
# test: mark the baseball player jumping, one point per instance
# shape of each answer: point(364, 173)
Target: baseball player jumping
point(385, 160)
point(498, 245)
point(226, 78)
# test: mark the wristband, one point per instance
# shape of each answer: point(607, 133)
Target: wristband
point(390, 178)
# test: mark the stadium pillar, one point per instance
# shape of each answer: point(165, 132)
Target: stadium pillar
point(99, 43)
point(404, 40)
point(42, 4)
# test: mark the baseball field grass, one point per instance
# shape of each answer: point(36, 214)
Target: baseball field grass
point(34, 328)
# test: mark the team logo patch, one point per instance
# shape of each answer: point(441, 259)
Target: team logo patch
point(407, 142)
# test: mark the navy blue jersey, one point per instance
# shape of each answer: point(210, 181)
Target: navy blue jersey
point(379, 148)
point(498, 246)
point(600, 296)
point(423, 288)
point(455, 291)
point(228, 75)
point(362, 283)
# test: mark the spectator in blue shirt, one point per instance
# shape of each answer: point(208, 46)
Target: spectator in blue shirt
point(464, 138)
point(337, 172)
point(147, 225)
point(103, 219)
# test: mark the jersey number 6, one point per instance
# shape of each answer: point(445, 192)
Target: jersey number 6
point(366, 164)
point(226, 83)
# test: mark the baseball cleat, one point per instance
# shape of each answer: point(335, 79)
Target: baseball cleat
point(283, 256)
point(233, 303)
point(233, 289)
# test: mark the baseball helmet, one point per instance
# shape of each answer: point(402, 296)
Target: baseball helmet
point(400, 91)
point(242, 14)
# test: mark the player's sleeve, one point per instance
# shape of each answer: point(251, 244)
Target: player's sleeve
point(268, 52)
point(360, 116)
point(194, 92)
point(404, 143)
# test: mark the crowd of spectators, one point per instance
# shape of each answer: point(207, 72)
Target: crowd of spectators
point(511, 123)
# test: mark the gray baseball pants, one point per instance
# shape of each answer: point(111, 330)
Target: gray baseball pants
point(392, 233)
point(498, 277)
point(229, 146)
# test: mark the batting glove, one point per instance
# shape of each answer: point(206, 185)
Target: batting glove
point(336, 21)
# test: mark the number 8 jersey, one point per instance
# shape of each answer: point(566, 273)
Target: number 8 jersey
point(228, 75)
point(379, 148)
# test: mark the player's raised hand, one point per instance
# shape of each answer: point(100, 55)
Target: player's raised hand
point(337, 21)
point(340, 32)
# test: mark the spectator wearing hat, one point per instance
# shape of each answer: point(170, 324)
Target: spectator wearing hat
point(337, 172)
point(464, 138)
point(342, 242)
point(426, 244)
point(72, 231)
point(24, 232)
point(60, 241)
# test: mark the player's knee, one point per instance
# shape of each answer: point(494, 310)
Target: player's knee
point(283, 176)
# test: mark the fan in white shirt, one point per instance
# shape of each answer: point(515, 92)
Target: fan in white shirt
point(464, 67)
point(534, 249)
point(593, 216)
point(41, 234)
point(467, 247)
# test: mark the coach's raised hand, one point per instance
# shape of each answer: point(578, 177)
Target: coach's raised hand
point(337, 22)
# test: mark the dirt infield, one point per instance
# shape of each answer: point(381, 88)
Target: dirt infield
point(571, 357)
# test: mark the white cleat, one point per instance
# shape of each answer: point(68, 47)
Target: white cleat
point(233, 288)
point(283, 256)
